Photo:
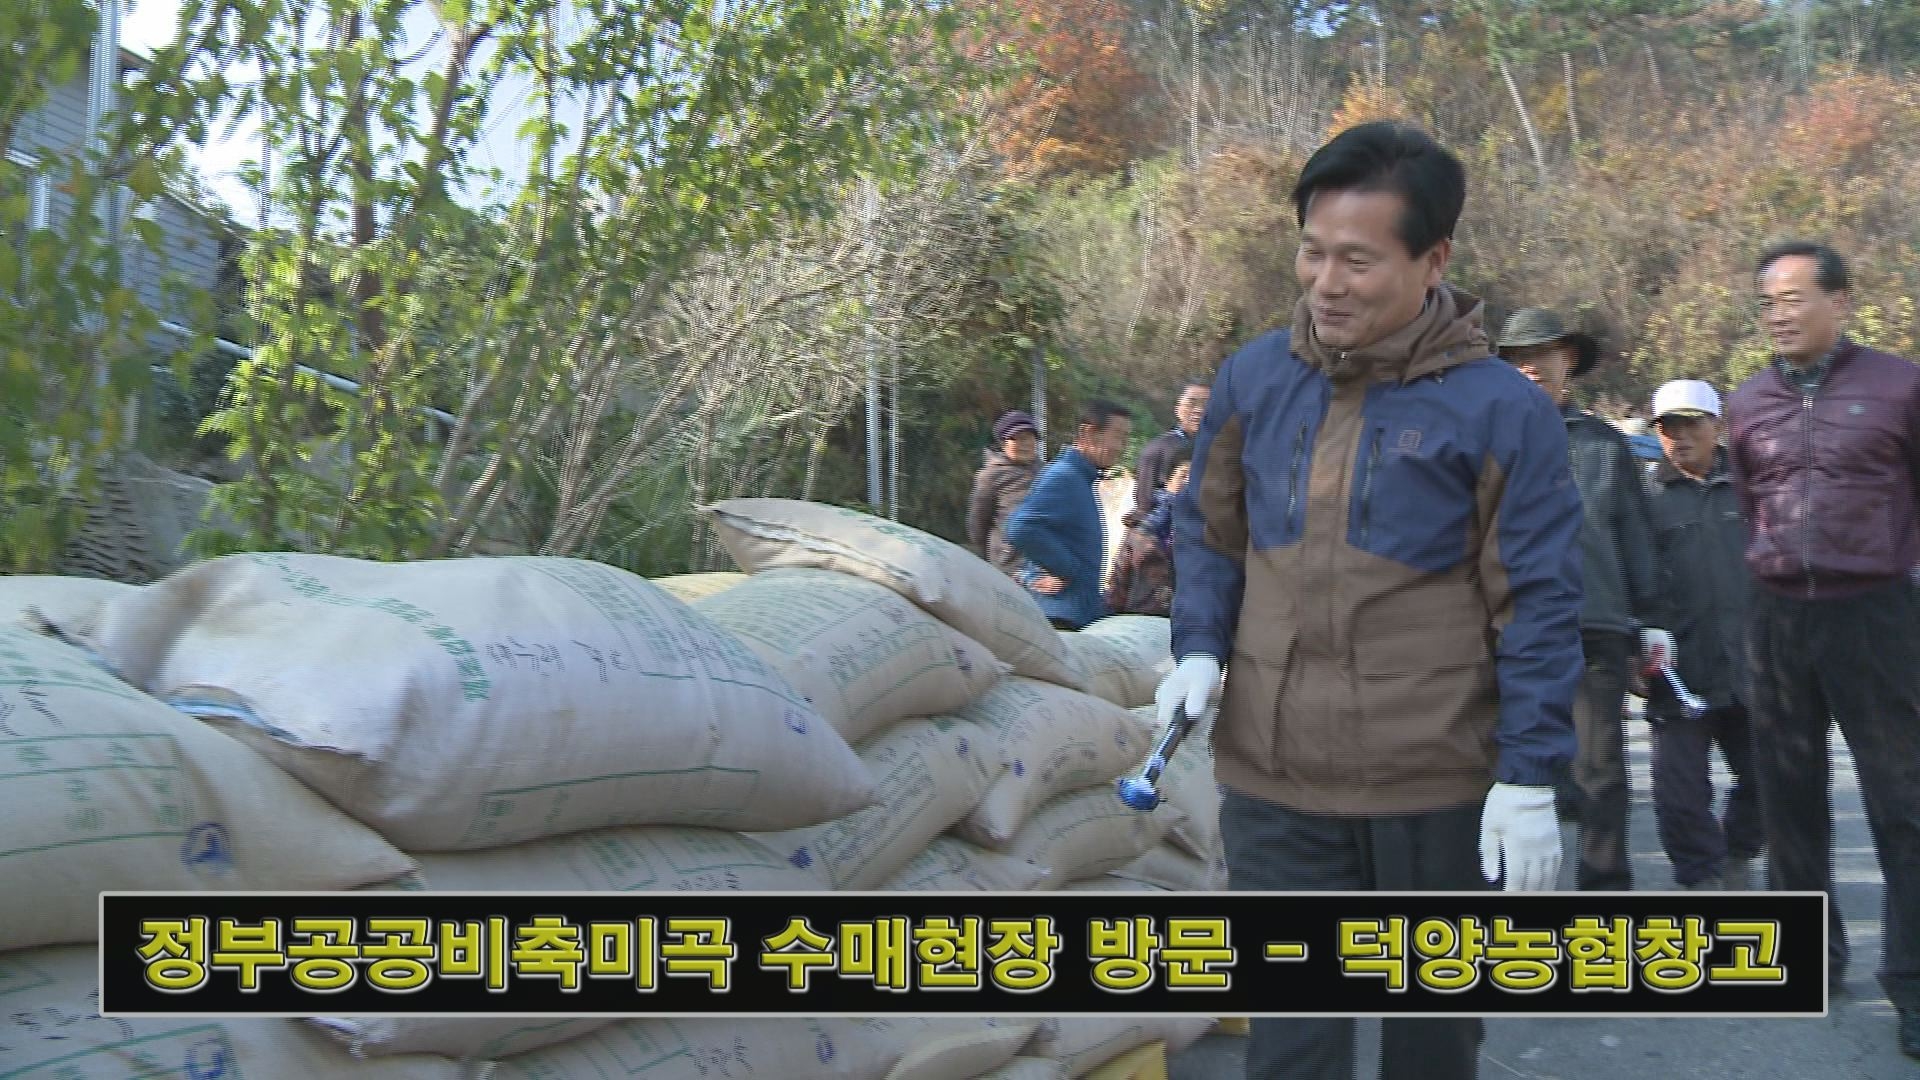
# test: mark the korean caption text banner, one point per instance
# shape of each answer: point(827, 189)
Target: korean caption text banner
point(1001, 954)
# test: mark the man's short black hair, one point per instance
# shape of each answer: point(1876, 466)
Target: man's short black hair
point(1180, 453)
point(1831, 276)
point(1194, 383)
point(1099, 412)
point(1396, 158)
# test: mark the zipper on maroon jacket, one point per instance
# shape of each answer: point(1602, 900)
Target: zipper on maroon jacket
point(1366, 486)
point(1806, 525)
point(1293, 474)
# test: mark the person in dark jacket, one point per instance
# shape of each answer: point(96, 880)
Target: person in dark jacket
point(1158, 457)
point(1059, 530)
point(1378, 541)
point(1622, 615)
point(1142, 578)
point(1825, 452)
point(1001, 484)
point(1701, 534)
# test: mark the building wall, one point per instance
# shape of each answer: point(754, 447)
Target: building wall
point(59, 125)
point(191, 248)
point(191, 253)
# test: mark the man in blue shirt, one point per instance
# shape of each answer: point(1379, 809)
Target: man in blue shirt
point(1059, 529)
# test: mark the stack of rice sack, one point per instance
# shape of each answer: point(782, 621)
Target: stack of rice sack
point(937, 671)
point(1125, 657)
point(462, 708)
point(106, 788)
point(1056, 729)
point(865, 707)
point(1061, 725)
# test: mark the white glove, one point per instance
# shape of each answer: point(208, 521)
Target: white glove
point(1192, 683)
point(1519, 826)
point(1657, 648)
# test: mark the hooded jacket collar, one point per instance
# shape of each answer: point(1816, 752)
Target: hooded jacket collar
point(1448, 332)
point(1667, 475)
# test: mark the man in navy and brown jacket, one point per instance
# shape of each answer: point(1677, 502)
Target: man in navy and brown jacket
point(1380, 538)
point(1825, 454)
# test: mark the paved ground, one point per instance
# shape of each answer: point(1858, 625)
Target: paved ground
point(1855, 1041)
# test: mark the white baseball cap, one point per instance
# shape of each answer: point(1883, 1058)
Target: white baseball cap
point(1686, 397)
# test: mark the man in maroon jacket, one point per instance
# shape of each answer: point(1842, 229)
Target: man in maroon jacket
point(1825, 454)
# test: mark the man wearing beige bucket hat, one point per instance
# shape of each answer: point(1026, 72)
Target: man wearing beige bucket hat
point(1623, 604)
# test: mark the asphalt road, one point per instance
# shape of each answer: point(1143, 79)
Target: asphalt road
point(1855, 1041)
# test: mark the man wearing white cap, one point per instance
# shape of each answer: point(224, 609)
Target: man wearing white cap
point(1701, 536)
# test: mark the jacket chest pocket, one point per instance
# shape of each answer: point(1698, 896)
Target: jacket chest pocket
point(1675, 531)
point(1678, 541)
point(1859, 434)
point(1275, 461)
point(1413, 498)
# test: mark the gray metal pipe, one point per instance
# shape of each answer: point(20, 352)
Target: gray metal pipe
point(893, 435)
point(1040, 397)
point(338, 382)
point(874, 494)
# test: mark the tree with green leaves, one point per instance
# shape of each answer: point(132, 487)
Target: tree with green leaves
point(75, 339)
point(657, 136)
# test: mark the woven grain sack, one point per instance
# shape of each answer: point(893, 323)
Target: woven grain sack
point(465, 1038)
point(1125, 657)
point(1189, 783)
point(958, 587)
point(825, 1048)
point(59, 1034)
point(967, 1054)
point(1105, 667)
point(639, 858)
point(69, 599)
point(1027, 1068)
point(1109, 883)
point(411, 881)
point(950, 864)
point(931, 773)
point(1053, 740)
point(1083, 1044)
point(862, 654)
point(1088, 832)
point(634, 859)
point(1168, 867)
point(690, 587)
point(470, 703)
point(104, 788)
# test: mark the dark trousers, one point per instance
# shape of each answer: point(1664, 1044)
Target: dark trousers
point(1855, 660)
point(1595, 793)
point(1698, 843)
point(1272, 848)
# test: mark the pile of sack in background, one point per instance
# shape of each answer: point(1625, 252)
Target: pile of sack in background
point(866, 707)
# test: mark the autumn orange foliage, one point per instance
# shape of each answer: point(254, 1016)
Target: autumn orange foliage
point(1078, 105)
point(1841, 119)
point(1366, 101)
